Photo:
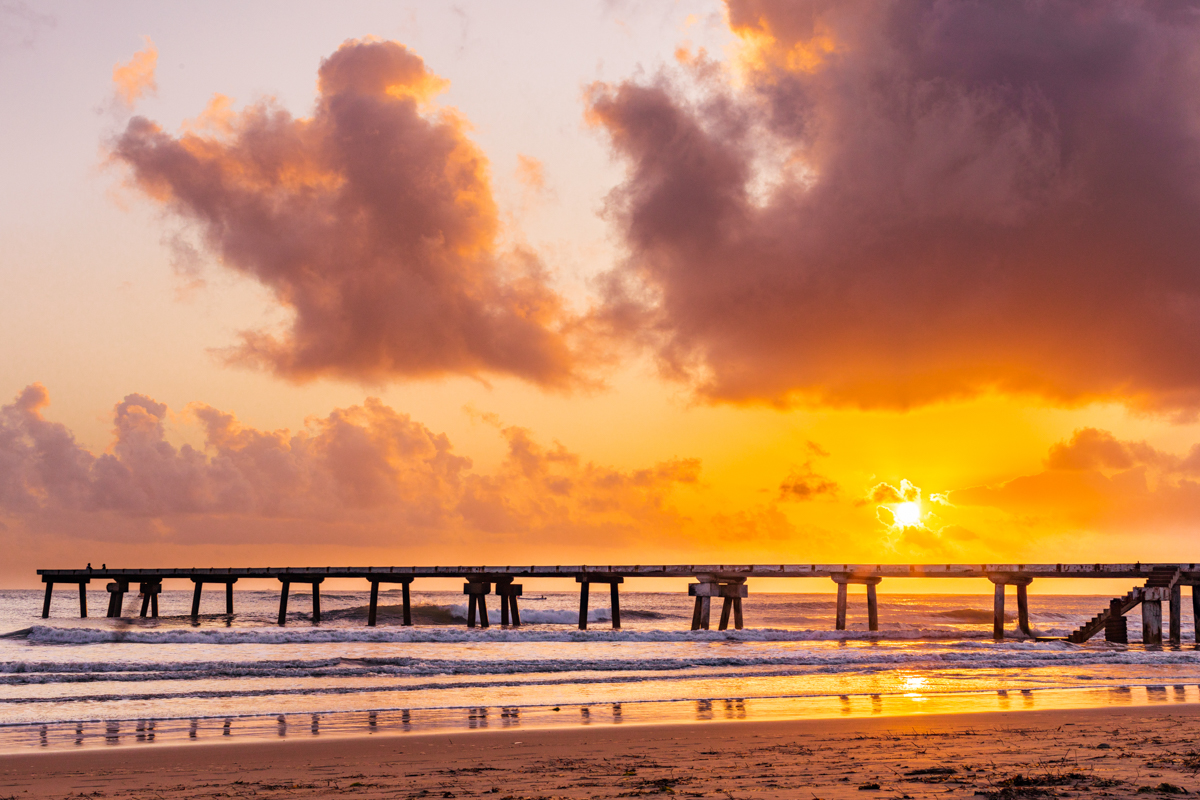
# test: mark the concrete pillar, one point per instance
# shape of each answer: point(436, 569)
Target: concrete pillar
point(615, 604)
point(731, 594)
point(998, 613)
point(1175, 629)
point(476, 591)
point(1152, 622)
point(583, 605)
point(149, 594)
point(373, 607)
point(83, 600)
point(283, 600)
point(508, 593)
point(841, 607)
point(116, 598)
point(1023, 606)
point(1196, 612)
point(1115, 627)
point(872, 608)
point(46, 602)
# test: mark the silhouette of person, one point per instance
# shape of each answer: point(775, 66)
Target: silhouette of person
point(89, 566)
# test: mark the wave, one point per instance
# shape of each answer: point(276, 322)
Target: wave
point(827, 660)
point(968, 615)
point(45, 634)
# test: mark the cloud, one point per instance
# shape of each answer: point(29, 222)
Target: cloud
point(135, 78)
point(372, 221)
point(886, 493)
point(531, 173)
point(884, 205)
point(1095, 482)
point(806, 484)
point(365, 474)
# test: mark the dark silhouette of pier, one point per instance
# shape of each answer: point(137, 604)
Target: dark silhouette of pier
point(1161, 583)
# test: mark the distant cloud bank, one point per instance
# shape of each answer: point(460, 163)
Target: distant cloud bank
point(368, 471)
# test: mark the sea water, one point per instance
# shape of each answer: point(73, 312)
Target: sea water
point(68, 682)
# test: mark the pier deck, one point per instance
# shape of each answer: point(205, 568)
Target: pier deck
point(726, 581)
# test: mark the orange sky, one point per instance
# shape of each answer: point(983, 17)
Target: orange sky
point(743, 283)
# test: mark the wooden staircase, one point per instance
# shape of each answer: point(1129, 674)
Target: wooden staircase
point(1159, 578)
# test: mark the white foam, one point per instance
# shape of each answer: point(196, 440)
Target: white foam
point(538, 616)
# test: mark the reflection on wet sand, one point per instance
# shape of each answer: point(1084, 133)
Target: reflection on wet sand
point(17, 738)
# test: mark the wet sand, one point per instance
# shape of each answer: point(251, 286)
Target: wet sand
point(1107, 752)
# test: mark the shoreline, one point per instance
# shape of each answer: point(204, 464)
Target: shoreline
point(156, 733)
point(1040, 753)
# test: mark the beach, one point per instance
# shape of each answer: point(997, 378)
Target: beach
point(1021, 754)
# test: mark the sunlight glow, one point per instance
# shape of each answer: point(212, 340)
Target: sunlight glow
point(908, 514)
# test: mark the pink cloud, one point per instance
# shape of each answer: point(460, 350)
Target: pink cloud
point(368, 469)
point(901, 203)
point(135, 78)
point(372, 221)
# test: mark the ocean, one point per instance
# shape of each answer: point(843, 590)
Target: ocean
point(67, 682)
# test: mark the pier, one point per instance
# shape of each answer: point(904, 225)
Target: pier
point(1155, 584)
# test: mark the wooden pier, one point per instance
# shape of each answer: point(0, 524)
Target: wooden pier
point(1159, 583)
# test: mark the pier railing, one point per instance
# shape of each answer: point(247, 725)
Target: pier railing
point(725, 581)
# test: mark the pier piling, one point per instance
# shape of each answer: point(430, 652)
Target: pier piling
point(843, 580)
point(1196, 612)
point(1116, 627)
point(586, 578)
point(730, 590)
point(148, 591)
point(228, 580)
point(1022, 583)
point(1152, 614)
point(476, 591)
point(508, 592)
point(373, 609)
point(1175, 632)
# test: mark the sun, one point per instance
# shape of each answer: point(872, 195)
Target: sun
point(908, 514)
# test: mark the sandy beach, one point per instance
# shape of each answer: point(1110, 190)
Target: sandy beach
point(1095, 752)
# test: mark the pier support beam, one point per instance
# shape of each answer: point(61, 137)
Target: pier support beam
point(1175, 606)
point(476, 591)
point(613, 581)
point(1152, 600)
point(116, 597)
point(870, 581)
point(149, 591)
point(1196, 611)
point(81, 582)
point(508, 592)
point(287, 581)
point(199, 586)
point(1022, 583)
point(1116, 627)
point(405, 582)
point(730, 590)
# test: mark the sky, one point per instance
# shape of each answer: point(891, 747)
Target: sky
point(598, 283)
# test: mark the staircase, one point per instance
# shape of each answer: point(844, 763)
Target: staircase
point(1159, 578)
